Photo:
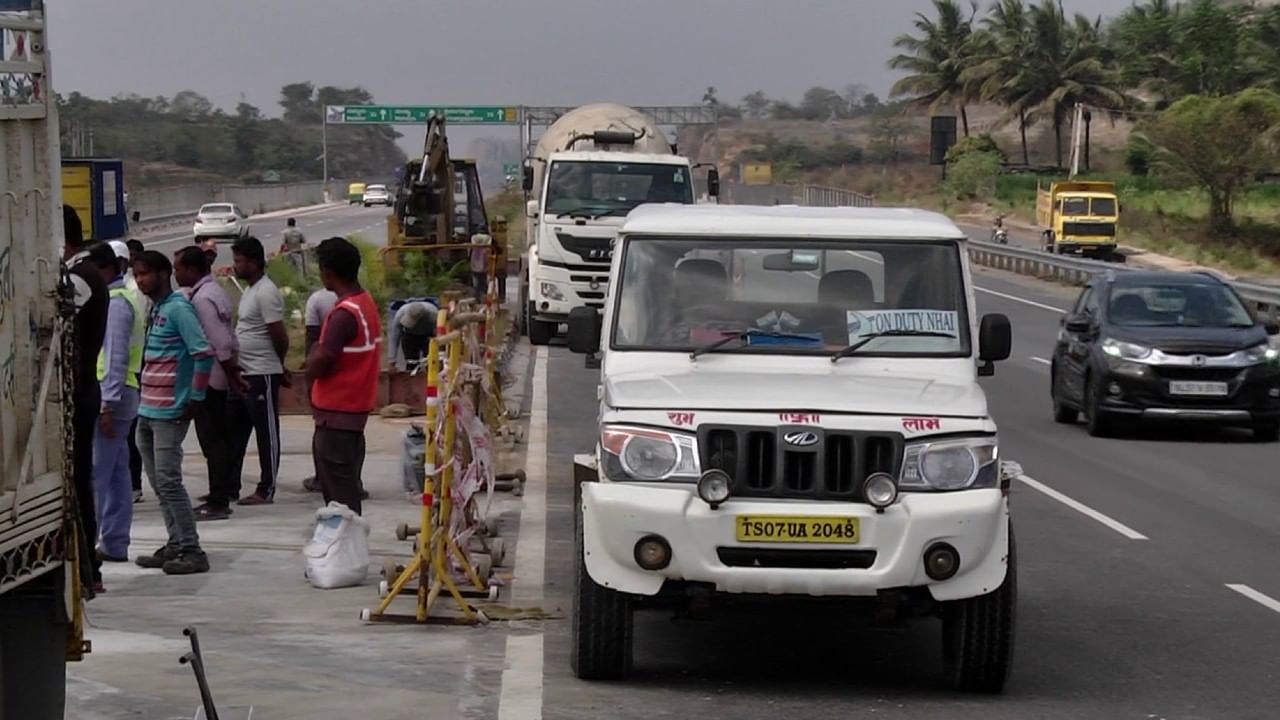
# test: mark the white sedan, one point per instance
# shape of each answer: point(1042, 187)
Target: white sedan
point(377, 195)
point(221, 220)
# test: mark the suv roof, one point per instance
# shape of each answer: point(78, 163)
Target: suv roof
point(853, 223)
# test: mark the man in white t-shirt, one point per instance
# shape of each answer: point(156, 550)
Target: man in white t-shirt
point(264, 342)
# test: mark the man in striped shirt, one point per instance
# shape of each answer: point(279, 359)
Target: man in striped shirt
point(174, 379)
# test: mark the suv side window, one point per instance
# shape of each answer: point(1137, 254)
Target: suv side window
point(1084, 302)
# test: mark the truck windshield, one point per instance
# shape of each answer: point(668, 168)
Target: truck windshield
point(1075, 206)
point(596, 189)
point(1103, 207)
point(787, 296)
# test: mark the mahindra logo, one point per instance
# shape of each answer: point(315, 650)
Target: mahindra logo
point(801, 438)
point(1199, 360)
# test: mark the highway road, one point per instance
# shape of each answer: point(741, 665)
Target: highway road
point(316, 225)
point(1147, 577)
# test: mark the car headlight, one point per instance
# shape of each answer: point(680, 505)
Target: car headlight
point(951, 464)
point(1262, 352)
point(636, 453)
point(1126, 350)
point(551, 291)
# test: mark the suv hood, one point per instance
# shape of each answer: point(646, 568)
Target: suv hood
point(876, 394)
point(1184, 340)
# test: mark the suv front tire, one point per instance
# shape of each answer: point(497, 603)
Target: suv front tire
point(977, 635)
point(602, 622)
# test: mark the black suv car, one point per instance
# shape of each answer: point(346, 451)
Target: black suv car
point(1169, 345)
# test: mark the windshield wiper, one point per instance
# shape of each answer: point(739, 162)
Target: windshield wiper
point(742, 337)
point(855, 347)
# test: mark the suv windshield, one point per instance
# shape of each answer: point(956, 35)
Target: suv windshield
point(1177, 305)
point(610, 188)
point(790, 296)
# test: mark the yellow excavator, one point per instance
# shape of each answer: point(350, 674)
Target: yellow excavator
point(439, 206)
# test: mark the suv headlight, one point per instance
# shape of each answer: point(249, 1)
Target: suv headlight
point(960, 464)
point(647, 454)
point(1263, 352)
point(1126, 350)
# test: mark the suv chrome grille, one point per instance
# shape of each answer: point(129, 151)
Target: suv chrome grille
point(799, 462)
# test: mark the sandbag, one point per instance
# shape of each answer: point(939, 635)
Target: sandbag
point(338, 553)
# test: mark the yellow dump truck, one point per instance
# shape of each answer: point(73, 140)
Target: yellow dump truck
point(1078, 216)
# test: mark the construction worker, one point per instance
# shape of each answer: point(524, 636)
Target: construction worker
point(342, 372)
point(119, 371)
point(411, 331)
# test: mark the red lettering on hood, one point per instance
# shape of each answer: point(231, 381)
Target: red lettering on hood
point(681, 419)
point(800, 418)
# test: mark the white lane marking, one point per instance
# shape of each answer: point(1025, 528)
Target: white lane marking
point(1015, 298)
point(1041, 360)
point(1083, 509)
point(521, 694)
point(1264, 600)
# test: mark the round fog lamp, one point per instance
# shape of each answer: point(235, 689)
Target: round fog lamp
point(653, 553)
point(880, 490)
point(941, 561)
point(713, 487)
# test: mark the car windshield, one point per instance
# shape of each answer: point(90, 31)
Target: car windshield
point(1177, 305)
point(609, 188)
point(215, 210)
point(790, 296)
point(376, 188)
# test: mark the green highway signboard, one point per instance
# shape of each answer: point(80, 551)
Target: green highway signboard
point(418, 114)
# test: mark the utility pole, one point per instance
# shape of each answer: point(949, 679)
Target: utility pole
point(324, 153)
point(1076, 127)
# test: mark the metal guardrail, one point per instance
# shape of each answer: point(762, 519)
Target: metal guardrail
point(1077, 271)
point(820, 196)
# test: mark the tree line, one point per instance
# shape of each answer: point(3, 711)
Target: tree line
point(1199, 76)
point(189, 132)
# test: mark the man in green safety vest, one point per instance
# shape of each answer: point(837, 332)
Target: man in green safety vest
point(119, 366)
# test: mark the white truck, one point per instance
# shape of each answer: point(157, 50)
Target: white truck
point(40, 618)
point(790, 407)
point(589, 169)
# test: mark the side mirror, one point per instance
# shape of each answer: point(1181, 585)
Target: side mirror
point(585, 324)
point(1272, 327)
point(531, 209)
point(526, 181)
point(136, 216)
point(713, 183)
point(1078, 324)
point(995, 342)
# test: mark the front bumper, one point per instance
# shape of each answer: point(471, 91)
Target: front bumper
point(575, 288)
point(616, 516)
point(1253, 393)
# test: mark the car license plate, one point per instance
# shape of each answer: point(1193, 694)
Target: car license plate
point(785, 528)
point(1186, 387)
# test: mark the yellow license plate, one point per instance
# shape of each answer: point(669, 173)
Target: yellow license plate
point(785, 528)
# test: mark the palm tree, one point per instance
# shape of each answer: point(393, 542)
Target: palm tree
point(1067, 66)
point(936, 59)
point(1145, 40)
point(1264, 38)
point(1000, 52)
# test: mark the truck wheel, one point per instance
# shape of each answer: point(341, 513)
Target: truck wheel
point(977, 635)
point(601, 646)
point(540, 333)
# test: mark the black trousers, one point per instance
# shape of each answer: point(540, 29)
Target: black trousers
point(213, 430)
point(257, 413)
point(85, 417)
point(135, 457)
point(339, 459)
point(414, 346)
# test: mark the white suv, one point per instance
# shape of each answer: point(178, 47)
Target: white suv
point(790, 406)
point(377, 195)
point(221, 220)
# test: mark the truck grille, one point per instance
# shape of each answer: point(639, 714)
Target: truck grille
point(817, 465)
point(1089, 229)
point(590, 249)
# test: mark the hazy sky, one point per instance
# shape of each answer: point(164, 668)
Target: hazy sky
point(481, 51)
